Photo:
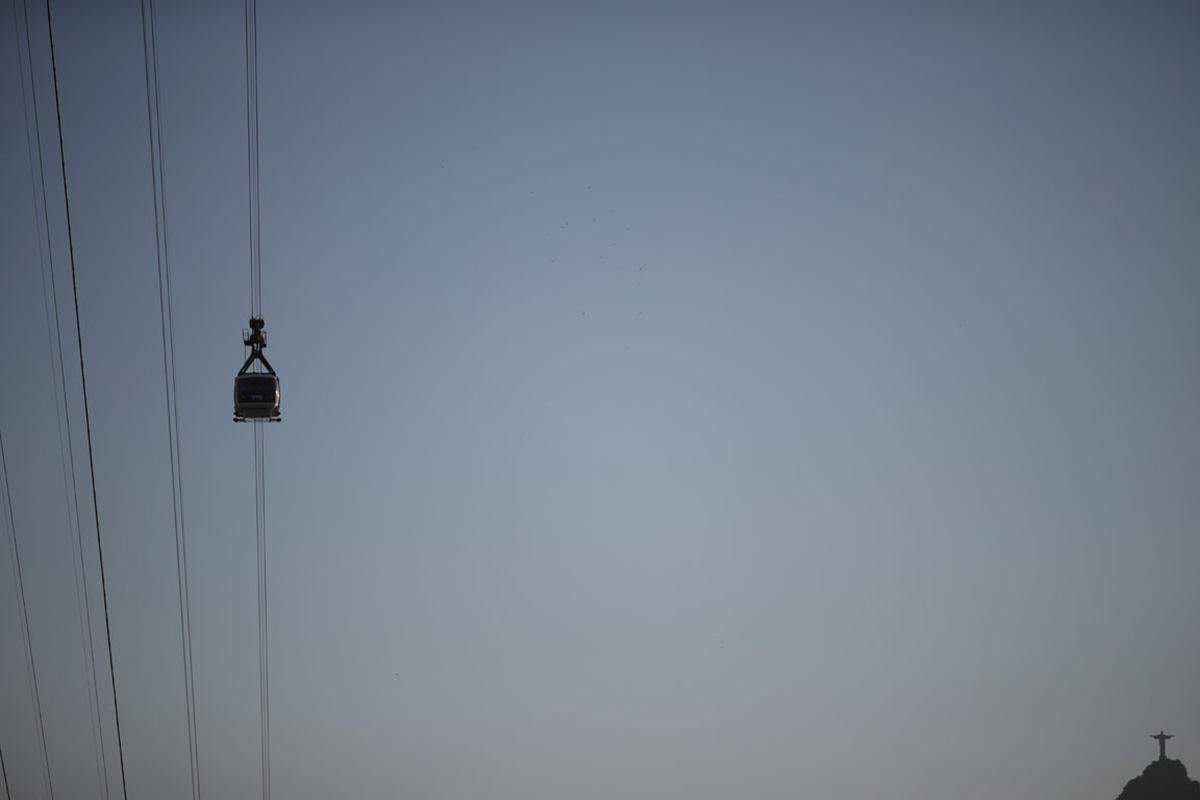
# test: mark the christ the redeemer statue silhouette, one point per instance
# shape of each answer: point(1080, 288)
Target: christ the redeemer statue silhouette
point(1162, 744)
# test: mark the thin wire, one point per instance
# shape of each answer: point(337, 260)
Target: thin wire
point(167, 328)
point(253, 159)
point(250, 173)
point(253, 152)
point(66, 442)
point(87, 414)
point(4, 772)
point(19, 579)
point(264, 682)
point(257, 182)
point(266, 618)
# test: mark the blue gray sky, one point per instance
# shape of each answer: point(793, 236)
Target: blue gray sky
point(682, 400)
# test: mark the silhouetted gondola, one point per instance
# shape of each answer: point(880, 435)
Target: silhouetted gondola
point(256, 394)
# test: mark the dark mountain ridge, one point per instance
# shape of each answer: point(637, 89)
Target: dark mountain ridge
point(1164, 779)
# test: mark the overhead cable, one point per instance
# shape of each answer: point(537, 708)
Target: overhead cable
point(30, 663)
point(87, 414)
point(41, 218)
point(167, 328)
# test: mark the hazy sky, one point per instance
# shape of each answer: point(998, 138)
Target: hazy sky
point(682, 400)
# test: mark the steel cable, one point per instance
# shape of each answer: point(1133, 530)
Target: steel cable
point(66, 441)
point(19, 581)
point(253, 159)
point(264, 671)
point(4, 772)
point(167, 329)
point(87, 414)
point(63, 415)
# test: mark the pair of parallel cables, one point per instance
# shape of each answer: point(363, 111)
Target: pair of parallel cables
point(253, 151)
point(170, 383)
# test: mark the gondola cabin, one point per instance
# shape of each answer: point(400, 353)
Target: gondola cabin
point(256, 396)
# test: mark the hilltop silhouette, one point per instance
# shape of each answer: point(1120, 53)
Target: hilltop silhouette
point(1164, 779)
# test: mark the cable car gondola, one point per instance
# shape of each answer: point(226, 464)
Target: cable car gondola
point(256, 394)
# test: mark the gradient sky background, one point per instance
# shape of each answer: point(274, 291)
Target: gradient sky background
point(682, 400)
